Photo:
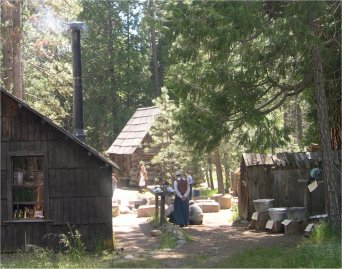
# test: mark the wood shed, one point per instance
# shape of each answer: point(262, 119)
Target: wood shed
point(133, 146)
point(281, 177)
point(50, 181)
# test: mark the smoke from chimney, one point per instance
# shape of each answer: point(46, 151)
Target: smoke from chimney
point(75, 28)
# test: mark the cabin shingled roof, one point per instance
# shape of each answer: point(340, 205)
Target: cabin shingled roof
point(294, 159)
point(53, 125)
point(134, 131)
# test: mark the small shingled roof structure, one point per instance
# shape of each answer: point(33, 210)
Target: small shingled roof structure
point(293, 159)
point(284, 177)
point(135, 130)
point(133, 146)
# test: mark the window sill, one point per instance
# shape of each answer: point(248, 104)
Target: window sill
point(27, 221)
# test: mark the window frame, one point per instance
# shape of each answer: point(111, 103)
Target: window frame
point(10, 184)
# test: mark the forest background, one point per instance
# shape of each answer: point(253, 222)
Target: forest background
point(242, 76)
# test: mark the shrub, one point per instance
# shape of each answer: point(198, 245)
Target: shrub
point(73, 244)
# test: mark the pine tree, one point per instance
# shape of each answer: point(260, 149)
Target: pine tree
point(234, 63)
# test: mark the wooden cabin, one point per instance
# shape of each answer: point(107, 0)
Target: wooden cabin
point(50, 181)
point(281, 177)
point(133, 146)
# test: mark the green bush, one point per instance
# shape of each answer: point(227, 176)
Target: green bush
point(73, 244)
point(323, 231)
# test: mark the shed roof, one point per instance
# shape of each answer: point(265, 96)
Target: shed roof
point(135, 130)
point(59, 129)
point(296, 159)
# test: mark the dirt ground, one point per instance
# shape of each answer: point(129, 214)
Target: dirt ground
point(216, 239)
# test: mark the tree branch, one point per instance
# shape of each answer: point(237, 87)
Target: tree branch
point(297, 88)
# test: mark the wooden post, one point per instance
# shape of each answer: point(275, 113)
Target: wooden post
point(306, 197)
point(156, 206)
point(162, 209)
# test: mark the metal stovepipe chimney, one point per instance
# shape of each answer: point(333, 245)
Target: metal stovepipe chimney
point(75, 28)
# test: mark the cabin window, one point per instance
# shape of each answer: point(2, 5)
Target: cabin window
point(28, 186)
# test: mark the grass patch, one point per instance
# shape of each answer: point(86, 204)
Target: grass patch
point(44, 258)
point(187, 237)
point(321, 249)
point(167, 240)
point(143, 263)
point(235, 213)
point(207, 192)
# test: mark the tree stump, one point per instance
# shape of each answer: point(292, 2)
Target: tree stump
point(225, 202)
point(275, 226)
point(294, 227)
point(216, 197)
point(209, 207)
point(146, 211)
point(115, 210)
point(259, 220)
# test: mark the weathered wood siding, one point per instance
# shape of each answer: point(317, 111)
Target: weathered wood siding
point(77, 185)
point(279, 177)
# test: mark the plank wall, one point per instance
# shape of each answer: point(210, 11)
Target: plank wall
point(77, 184)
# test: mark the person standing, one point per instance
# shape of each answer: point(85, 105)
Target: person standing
point(142, 178)
point(190, 181)
point(181, 204)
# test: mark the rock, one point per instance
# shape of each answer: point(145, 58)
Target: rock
point(129, 257)
point(169, 210)
point(146, 211)
point(137, 202)
point(180, 242)
point(213, 250)
point(155, 233)
point(195, 214)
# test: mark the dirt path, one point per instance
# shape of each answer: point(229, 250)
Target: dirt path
point(211, 242)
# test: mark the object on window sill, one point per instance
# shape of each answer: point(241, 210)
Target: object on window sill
point(38, 214)
point(30, 214)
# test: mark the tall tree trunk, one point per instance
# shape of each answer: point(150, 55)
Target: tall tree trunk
point(227, 178)
point(217, 159)
point(155, 67)
point(228, 181)
point(7, 52)
point(292, 117)
point(334, 114)
point(207, 178)
point(298, 121)
point(212, 187)
point(17, 78)
point(332, 180)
